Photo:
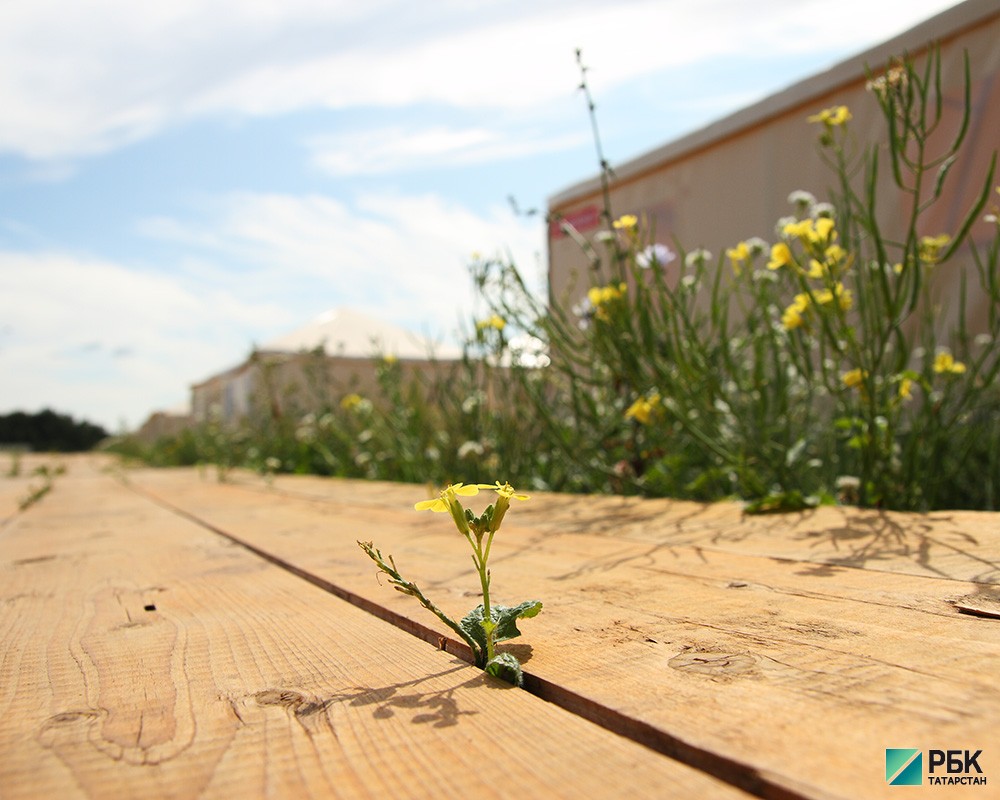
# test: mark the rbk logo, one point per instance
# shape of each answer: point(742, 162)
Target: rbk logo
point(904, 766)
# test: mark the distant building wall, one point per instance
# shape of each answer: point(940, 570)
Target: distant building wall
point(161, 424)
point(280, 384)
point(731, 180)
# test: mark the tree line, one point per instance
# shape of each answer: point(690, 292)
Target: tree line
point(49, 431)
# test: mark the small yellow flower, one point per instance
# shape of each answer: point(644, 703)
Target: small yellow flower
point(945, 362)
point(836, 256)
point(389, 359)
point(505, 493)
point(351, 401)
point(803, 229)
point(831, 117)
point(495, 321)
point(505, 490)
point(442, 503)
point(626, 222)
point(739, 256)
point(601, 296)
point(854, 378)
point(824, 231)
point(642, 409)
point(781, 256)
point(843, 296)
point(931, 247)
point(792, 318)
point(905, 387)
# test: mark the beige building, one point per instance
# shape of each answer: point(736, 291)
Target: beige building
point(315, 366)
point(731, 180)
point(161, 424)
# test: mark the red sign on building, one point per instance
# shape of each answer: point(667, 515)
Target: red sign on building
point(583, 219)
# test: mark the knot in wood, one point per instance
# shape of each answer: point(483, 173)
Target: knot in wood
point(714, 664)
point(279, 697)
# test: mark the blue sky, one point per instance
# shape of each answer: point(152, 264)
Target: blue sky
point(179, 181)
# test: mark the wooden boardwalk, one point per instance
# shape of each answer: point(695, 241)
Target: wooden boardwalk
point(166, 635)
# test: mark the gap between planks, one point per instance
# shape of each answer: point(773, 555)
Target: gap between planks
point(728, 770)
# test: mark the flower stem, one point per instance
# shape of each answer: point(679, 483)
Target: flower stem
point(484, 579)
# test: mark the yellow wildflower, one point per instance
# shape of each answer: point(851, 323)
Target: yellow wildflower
point(803, 229)
point(495, 321)
point(642, 409)
point(792, 318)
point(854, 378)
point(812, 233)
point(931, 247)
point(843, 296)
point(601, 296)
point(443, 502)
point(739, 255)
point(835, 255)
point(505, 493)
point(905, 387)
point(824, 230)
point(781, 256)
point(626, 222)
point(945, 362)
point(351, 401)
point(830, 117)
point(505, 490)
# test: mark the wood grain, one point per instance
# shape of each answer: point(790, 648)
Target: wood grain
point(144, 656)
point(788, 651)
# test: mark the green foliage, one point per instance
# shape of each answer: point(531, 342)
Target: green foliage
point(782, 371)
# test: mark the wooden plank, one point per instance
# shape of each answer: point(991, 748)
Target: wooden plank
point(143, 656)
point(799, 669)
point(20, 483)
point(964, 545)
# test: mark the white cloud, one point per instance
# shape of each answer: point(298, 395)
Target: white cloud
point(110, 342)
point(82, 78)
point(113, 342)
point(396, 149)
point(402, 258)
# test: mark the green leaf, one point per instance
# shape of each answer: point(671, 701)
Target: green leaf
point(504, 617)
point(472, 624)
point(507, 668)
